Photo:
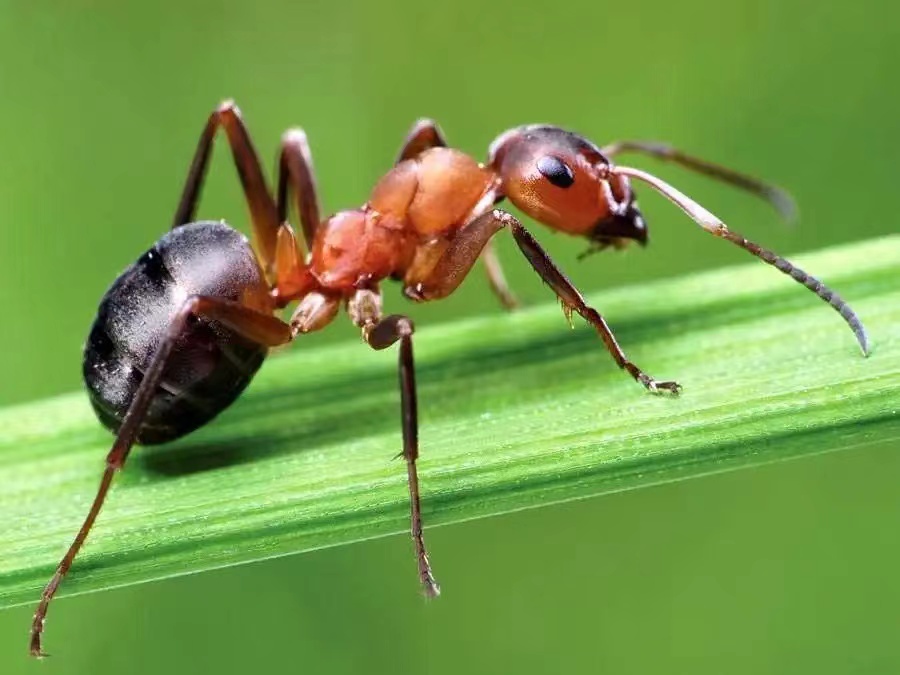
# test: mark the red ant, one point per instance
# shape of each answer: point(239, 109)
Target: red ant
point(181, 332)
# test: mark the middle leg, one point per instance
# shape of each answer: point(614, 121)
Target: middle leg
point(424, 134)
point(459, 257)
point(256, 191)
point(496, 278)
point(295, 170)
point(380, 333)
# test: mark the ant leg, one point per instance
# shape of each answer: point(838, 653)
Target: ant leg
point(778, 198)
point(295, 170)
point(295, 173)
point(262, 207)
point(496, 279)
point(254, 325)
point(425, 134)
point(292, 276)
point(314, 311)
point(365, 310)
point(465, 248)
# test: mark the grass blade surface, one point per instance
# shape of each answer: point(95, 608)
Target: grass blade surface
point(517, 411)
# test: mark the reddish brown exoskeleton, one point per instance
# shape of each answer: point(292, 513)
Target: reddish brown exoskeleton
point(182, 331)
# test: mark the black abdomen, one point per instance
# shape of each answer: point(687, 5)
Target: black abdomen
point(210, 364)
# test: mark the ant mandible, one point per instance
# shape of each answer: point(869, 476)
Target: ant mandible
point(181, 332)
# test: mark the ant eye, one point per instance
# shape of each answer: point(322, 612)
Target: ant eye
point(556, 171)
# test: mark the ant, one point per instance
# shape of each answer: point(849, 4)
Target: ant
point(180, 334)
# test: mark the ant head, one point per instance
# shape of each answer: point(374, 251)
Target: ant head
point(563, 180)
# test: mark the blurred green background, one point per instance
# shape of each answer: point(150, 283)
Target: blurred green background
point(783, 569)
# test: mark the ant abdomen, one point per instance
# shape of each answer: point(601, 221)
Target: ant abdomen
point(210, 364)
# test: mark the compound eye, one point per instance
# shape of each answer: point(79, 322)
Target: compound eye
point(556, 171)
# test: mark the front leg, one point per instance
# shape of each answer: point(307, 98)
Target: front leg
point(424, 135)
point(462, 252)
point(365, 311)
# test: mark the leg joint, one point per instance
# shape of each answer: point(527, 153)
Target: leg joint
point(228, 107)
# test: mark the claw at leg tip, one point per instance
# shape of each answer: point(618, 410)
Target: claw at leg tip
point(431, 588)
point(672, 388)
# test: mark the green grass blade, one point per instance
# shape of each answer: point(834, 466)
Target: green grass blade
point(517, 411)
